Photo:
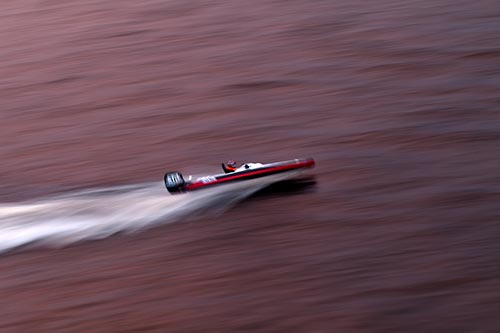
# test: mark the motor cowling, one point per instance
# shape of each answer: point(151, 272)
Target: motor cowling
point(174, 182)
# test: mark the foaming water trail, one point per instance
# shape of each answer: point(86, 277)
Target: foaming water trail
point(99, 213)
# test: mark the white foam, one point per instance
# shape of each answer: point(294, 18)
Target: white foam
point(99, 213)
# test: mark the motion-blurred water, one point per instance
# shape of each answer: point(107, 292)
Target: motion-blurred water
point(99, 213)
point(398, 101)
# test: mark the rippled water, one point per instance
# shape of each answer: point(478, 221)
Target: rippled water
point(397, 101)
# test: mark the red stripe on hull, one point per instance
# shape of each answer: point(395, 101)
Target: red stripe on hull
point(309, 163)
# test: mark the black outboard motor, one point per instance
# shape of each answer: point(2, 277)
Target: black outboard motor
point(174, 182)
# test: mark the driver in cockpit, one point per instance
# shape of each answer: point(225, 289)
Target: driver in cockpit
point(230, 166)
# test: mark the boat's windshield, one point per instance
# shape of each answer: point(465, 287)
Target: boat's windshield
point(249, 166)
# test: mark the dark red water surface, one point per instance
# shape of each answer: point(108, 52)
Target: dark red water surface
point(397, 101)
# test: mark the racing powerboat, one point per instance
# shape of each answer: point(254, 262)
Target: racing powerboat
point(175, 182)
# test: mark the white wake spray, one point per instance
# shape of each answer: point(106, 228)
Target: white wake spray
point(99, 213)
